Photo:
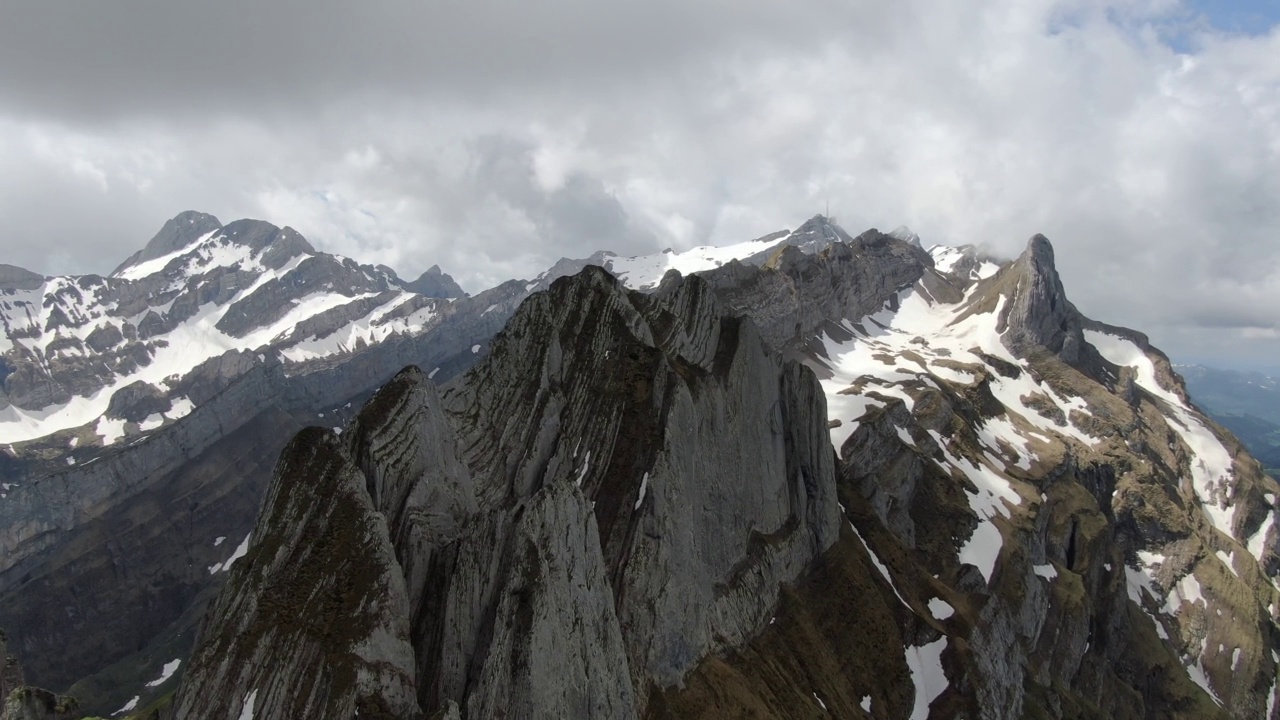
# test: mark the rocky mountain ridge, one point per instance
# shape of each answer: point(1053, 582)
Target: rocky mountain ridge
point(613, 472)
point(830, 475)
point(126, 523)
point(868, 480)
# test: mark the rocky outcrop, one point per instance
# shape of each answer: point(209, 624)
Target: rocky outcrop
point(27, 703)
point(1103, 573)
point(1038, 313)
point(797, 294)
point(136, 401)
point(20, 702)
point(30, 387)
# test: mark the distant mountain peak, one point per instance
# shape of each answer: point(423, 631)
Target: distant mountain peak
point(180, 231)
point(904, 233)
point(435, 283)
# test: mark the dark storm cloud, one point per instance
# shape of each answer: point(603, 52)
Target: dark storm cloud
point(88, 59)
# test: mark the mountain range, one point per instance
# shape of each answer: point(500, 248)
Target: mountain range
point(807, 475)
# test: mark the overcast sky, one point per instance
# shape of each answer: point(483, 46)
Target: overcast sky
point(1141, 136)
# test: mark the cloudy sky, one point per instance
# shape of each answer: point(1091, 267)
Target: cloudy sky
point(495, 136)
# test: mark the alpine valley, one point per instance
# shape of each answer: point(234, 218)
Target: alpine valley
point(809, 475)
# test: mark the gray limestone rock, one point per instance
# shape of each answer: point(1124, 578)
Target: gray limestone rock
point(796, 294)
point(105, 337)
point(660, 408)
point(13, 277)
point(28, 386)
point(21, 702)
point(314, 620)
point(10, 670)
point(1039, 312)
point(137, 401)
point(28, 703)
point(623, 484)
point(524, 585)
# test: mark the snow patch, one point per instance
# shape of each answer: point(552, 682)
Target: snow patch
point(1048, 572)
point(940, 609)
point(982, 548)
point(110, 430)
point(1186, 590)
point(247, 712)
point(646, 271)
point(884, 571)
point(927, 675)
point(1257, 542)
point(1228, 559)
point(240, 551)
point(586, 465)
point(166, 672)
point(644, 486)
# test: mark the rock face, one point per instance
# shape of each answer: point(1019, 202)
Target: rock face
point(27, 703)
point(796, 294)
point(623, 484)
point(314, 621)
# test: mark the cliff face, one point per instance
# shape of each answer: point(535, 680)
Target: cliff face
point(635, 477)
point(316, 620)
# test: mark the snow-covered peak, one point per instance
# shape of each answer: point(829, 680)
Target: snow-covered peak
point(197, 291)
point(964, 262)
point(646, 271)
point(183, 230)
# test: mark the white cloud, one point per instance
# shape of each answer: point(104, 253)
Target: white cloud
point(1156, 173)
